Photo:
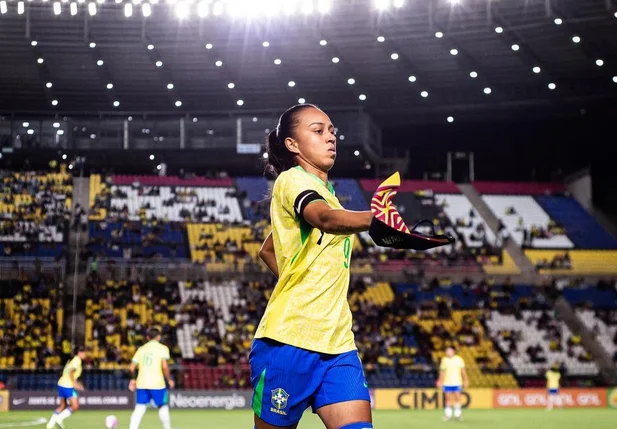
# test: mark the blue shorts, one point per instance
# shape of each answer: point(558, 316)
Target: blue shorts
point(452, 389)
point(67, 392)
point(553, 391)
point(287, 380)
point(158, 396)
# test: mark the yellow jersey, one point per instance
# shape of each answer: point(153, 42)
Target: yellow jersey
point(552, 379)
point(308, 307)
point(149, 358)
point(452, 366)
point(65, 379)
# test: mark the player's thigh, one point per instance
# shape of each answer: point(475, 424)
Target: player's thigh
point(160, 397)
point(73, 403)
point(142, 396)
point(260, 424)
point(449, 398)
point(335, 416)
point(343, 397)
point(457, 397)
point(63, 403)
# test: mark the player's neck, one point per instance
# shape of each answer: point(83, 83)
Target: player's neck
point(311, 169)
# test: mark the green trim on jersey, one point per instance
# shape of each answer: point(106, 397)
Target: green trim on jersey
point(327, 185)
point(259, 393)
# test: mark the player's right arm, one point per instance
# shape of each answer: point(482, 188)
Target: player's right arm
point(336, 221)
point(133, 367)
point(266, 254)
point(76, 384)
point(442, 374)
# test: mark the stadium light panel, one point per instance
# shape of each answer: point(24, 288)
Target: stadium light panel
point(356, 153)
point(110, 86)
point(49, 85)
point(453, 52)
point(21, 7)
point(394, 56)
point(324, 6)
point(150, 47)
point(615, 77)
point(450, 119)
point(218, 63)
point(351, 81)
point(240, 102)
point(57, 8)
point(34, 43)
point(30, 132)
point(362, 97)
point(25, 124)
point(170, 86)
point(265, 154)
point(498, 30)
point(231, 85)
point(537, 69)
point(92, 9)
point(159, 63)
point(515, 47)
point(54, 102)
point(92, 45)
point(146, 10)
point(203, 9)
point(73, 9)
point(81, 1)
point(217, 8)
point(335, 60)
point(100, 63)
point(487, 90)
point(576, 39)
point(178, 103)
point(552, 86)
point(265, 44)
point(40, 60)
point(323, 42)
point(399, 3)
point(182, 10)
point(599, 62)
point(209, 46)
point(116, 103)
point(291, 83)
point(128, 10)
point(558, 21)
point(381, 39)
point(424, 94)
point(307, 7)
point(412, 78)
point(455, 1)
point(3, 7)
point(102, 1)
point(301, 100)
point(277, 61)
point(473, 74)
point(61, 133)
point(439, 34)
point(382, 4)
point(57, 125)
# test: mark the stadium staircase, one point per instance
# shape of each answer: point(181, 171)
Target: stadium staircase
point(528, 271)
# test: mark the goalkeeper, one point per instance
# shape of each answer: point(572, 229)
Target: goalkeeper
point(304, 354)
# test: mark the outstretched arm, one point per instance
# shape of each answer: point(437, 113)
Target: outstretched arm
point(266, 254)
point(336, 221)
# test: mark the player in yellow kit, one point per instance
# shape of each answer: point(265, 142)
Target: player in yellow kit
point(553, 376)
point(452, 377)
point(67, 389)
point(304, 354)
point(151, 360)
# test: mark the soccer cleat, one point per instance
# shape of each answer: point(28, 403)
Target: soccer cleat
point(446, 418)
point(51, 424)
point(388, 228)
point(459, 418)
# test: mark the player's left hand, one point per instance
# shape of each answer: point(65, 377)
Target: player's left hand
point(132, 385)
point(79, 386)
point(172, 384)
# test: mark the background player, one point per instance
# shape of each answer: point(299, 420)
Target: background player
point(452, 376)
point(151, 361)
point(553, 376)
point(67, 389)
point(304, 352)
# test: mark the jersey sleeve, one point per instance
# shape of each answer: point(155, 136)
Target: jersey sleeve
point(137, 356)
point(296, 192)
point(165, 353)
point(75, 363)
point(443, 366)
point(461, 363)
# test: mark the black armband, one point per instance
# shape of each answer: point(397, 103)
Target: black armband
point(304, 199)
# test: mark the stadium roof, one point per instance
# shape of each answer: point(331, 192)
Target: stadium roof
point(428, 60)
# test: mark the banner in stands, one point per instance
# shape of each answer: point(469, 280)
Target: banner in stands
point(89, 400)
point(4, 401)
point(612, 398)
point(537, 398)
point(428, 399)
point(210, 399)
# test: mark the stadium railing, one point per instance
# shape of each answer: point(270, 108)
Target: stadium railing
point(10, 267)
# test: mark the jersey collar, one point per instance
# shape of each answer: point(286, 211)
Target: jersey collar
point(327, 185)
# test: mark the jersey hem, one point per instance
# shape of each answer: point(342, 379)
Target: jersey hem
point(288, 343)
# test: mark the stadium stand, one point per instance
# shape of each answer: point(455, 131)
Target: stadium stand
point(35, 210)
point(574, 262)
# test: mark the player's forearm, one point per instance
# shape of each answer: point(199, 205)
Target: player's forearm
point(267, 254)
point(343, 222)
point(167, 375)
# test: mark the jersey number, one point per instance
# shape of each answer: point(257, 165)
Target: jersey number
point(346, 252)
point(147, 361)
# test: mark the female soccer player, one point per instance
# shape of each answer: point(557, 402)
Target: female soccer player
point(452, 376)
point(304, 352)
point(67, 389)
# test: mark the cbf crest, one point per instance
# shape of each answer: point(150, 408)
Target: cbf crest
point(279, 401)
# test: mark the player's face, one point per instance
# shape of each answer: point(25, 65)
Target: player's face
point(449, 352)
point(315, 140)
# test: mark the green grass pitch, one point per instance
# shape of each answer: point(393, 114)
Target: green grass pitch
point(476, 419)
